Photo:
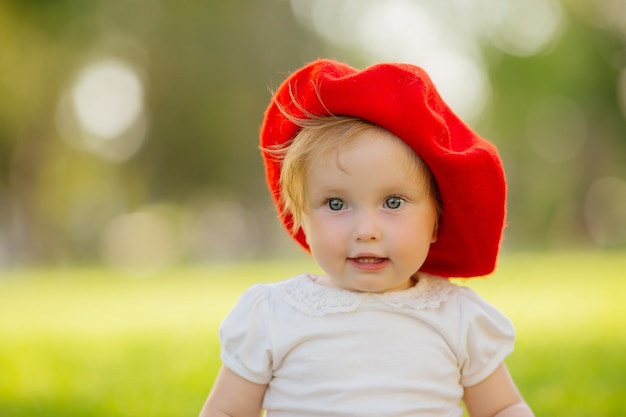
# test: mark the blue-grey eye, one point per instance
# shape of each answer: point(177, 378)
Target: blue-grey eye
point(394, 202)
point(335, 204)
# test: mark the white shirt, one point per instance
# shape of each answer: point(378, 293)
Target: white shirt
point(330, 352)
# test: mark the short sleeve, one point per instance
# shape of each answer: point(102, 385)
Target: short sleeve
point(486, 338)
point(245, 339)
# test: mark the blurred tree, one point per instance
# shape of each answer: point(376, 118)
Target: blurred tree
point(547, 192)
point(206, 68)
point(211, 64)
point(39, 43)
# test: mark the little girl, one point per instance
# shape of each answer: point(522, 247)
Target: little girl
point(392, 194)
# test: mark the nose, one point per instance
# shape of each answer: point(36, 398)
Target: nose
point(367, 226)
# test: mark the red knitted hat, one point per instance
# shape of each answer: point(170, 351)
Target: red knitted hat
point(402, 99)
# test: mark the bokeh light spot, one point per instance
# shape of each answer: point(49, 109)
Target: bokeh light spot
point(526, 27)
point(461, 81)
point(420, 33)
point(103, 110)
point(108, 98)
point(141, 244)
point(222, 231)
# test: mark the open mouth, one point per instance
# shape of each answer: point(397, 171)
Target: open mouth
point(368, 260)
point(369, 263)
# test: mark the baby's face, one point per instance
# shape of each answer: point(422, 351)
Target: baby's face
point(369, 217)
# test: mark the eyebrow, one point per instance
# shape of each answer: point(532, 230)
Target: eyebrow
point(400, 187)
point(328, 190)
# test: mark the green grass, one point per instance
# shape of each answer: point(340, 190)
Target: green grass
point(90, 342)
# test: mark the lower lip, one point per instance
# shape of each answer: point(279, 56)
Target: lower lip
point(368, 266)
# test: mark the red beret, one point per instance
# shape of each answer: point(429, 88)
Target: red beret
point(402, 99)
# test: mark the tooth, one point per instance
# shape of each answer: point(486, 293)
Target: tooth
point(368, 260)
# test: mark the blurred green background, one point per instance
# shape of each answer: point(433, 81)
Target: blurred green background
point(128, 130)
point(128, 149)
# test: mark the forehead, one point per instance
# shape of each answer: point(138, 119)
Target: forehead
point(371, 155)
point(367, 139)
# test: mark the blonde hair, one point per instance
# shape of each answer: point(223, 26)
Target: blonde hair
point(318, 137)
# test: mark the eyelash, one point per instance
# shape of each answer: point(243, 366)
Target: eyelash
point(395, 198)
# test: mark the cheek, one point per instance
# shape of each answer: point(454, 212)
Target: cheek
point(418, 233)
point(313, 230)
point(322, 232)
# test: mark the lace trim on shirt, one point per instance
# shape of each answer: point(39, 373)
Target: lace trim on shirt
point(314, 299)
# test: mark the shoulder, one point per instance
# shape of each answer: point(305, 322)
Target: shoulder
point(470, 303)
point(262, 295)
point(452, 295)
point(253, 315)
point(466, 314)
